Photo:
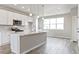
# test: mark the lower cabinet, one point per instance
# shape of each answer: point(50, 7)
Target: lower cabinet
point(21, 44)
point(4, 38)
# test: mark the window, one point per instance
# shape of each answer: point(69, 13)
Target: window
point(46, 24)
point(60, 23)
point(54, 23)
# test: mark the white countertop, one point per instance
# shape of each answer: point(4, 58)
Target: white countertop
point(28, 33)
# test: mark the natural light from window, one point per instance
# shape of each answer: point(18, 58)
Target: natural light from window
point(54, 23)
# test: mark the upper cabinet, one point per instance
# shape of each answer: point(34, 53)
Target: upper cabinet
point(7, 17)
point(78, 10)
point(10, 18)
point(15, 16)
point(3, 17)
point(78, 18)
point(23, 17)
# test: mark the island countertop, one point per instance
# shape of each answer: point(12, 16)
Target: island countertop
point(22, 42)
point(28, 33)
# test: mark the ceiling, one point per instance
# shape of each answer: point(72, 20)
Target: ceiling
point(42, 10)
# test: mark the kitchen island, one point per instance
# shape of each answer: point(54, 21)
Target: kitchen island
point(25, 42)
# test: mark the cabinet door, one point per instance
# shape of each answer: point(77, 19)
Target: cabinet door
point(10, 18)
point(23, 19)
point(3, 17)
point(78, 10)
point(4, 37)
point(13, 16)
point(78, 18)
point(20, 17)
point(15, 43)
point(78, 23)
point(17, 16)
point(0, 39)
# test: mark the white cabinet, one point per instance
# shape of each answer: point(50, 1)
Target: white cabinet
point(78, 10)
point(15, 16)
point(10, 18)
point(78, 25)
point(3, 17)
point(23, 43)
point(78, 16)
point(4, 38)
point(15, 43)
point(0, 38)
point(6, 17)
point(23, 18)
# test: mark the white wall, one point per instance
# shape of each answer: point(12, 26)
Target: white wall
point(70, 22)
point(74, 13)
point(66, 33)
point(78, 26)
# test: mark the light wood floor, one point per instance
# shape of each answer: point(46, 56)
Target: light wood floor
point(5, 49)
point(52, 46)
point(55, 46)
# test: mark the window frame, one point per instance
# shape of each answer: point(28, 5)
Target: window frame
point(53, 23)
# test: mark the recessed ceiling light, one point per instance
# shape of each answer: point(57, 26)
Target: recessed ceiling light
point(30, 14)
point(23, 7)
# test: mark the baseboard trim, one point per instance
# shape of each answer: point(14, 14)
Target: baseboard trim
point(61, 37)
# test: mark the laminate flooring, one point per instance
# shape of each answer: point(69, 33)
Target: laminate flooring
point(54, 46)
